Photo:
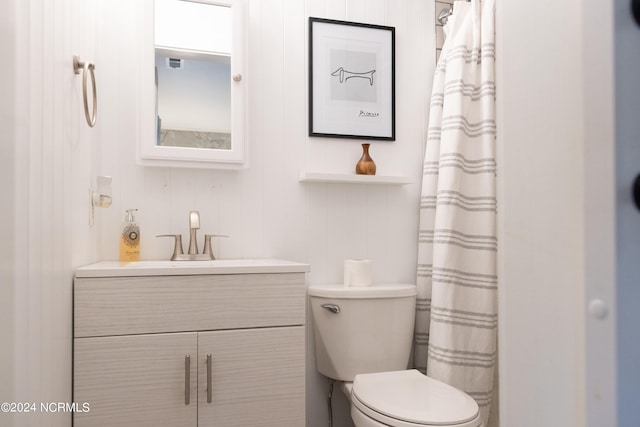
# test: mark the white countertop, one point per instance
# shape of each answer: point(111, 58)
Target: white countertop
point(186, 268)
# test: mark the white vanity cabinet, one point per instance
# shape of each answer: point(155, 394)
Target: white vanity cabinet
point(213, 344)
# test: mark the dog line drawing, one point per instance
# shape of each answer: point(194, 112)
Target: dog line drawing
point(345, 75)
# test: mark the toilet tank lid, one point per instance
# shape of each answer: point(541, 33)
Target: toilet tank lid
point(395, 290)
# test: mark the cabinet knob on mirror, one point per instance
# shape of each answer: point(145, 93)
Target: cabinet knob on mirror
point(237, 77)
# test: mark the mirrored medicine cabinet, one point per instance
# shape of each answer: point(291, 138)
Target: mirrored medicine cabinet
point(192, 82)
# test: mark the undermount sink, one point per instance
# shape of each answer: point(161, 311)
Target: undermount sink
point(185, 268)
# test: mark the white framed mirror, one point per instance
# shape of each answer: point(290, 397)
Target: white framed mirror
point(193, 86)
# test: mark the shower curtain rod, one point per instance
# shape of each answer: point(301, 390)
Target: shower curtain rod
point(445, 14)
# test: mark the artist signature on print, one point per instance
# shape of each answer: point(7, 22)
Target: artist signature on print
point(345, 75)
point(368, 114)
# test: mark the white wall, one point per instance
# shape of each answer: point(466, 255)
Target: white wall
point(264, 208)
point(7, 212)
point(48, 165)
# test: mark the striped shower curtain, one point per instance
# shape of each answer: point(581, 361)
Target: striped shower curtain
point(456, 317)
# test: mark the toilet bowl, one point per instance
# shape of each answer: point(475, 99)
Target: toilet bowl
point(363, 338)
point(410, 399)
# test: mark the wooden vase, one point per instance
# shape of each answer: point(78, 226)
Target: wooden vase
point(366, 165)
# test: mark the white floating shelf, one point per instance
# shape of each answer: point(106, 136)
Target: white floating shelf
point(352, 178)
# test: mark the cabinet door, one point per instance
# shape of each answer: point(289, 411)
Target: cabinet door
point(136, 380)
point(257, 377)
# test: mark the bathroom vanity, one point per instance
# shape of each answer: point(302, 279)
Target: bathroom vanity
point(209, 343)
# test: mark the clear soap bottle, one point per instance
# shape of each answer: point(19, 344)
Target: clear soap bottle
point(130, 238)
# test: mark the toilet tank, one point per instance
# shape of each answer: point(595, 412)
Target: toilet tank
point(361, 330)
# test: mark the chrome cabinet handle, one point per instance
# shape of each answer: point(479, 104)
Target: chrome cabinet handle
point(334, 308)
point(209, 389)
point(187, 379)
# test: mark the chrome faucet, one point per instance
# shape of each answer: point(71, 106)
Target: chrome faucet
point(192, 254)
point(194, 225)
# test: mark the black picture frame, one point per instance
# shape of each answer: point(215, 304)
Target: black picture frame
point(351, 80)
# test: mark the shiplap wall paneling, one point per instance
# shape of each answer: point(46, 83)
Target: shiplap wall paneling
point(264, 209)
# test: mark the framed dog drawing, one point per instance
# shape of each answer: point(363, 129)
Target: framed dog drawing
point(351, 80)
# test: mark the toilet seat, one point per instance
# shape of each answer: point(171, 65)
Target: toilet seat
point(411, 399)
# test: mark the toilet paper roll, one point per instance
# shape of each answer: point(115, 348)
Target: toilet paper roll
point(357, 272)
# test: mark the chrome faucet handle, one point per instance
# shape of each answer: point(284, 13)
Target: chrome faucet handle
point(177, 246)
point(207, 244)
point(194, 225)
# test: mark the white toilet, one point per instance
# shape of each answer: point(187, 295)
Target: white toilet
point(363, 338)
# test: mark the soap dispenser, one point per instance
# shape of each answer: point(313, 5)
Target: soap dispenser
point(130, 238)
